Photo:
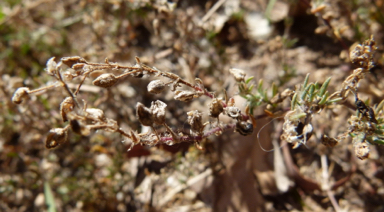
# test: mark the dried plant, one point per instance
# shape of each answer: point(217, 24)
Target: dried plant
point(307, 100)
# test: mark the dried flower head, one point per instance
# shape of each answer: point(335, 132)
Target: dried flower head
point(244, 128)
point(362, 150)
point(329, 141)
point(296, 127)
point(20, 94)
point(66, 106)
point(185, 96)
point(156, 86)
point(362, 54)
point(95, 114)
point(149, 139)
point(195, 119)
point(51, 66)
point(215, 107)
point(79, 127)
point(238, 74)
point(158, 112)
point(70, 61)
point(233, 112)
point(144, 114)
point(105, 80)
point(56, 137)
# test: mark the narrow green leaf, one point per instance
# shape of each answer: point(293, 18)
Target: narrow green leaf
point(378, 141)
point(305, 92)
point(379, 107)
point(268, 10)
point(265, 96)
point(250, 88)
point(324, 87)
point(311, 92)
point(334, 100)
point(49, 199)
point(324, 98)
point(274, 89)
point(297, 116)
point(260, 86)
point(306, 81)
point(293, 102)
point(249, 79)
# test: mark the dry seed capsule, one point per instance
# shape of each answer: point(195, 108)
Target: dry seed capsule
point(244, 128)
point(105, 80)
point(56, 137)
point(329, 141)
point(70, 61)
point(51, 66)
point(66, 106)
point(215, 108)
point(156, 86)
point(196, 121)
point(79, 127)
point(158, 112)
point(144, 114)
point(20, 94)
point(96, 114)
point(238, 74)
point(362, 150)
point(233, 112)
point(184, 96)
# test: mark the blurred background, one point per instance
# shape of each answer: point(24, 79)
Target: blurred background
point(279, 41)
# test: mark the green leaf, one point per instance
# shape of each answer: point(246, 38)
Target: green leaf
point(297, 116)
point(379, 107)
point(269, 8)
point(250, 88)
point(334, 100)
point(324, 98)
point(260, 86)
point(324, 87)
point(293, 102)
point(306, 81)
point(274, 89)
point(49, 199)
point(305, 92)
point(2, 15)
point(265, 96)
point(311, 92)
point(249, 79)
point(378, 141)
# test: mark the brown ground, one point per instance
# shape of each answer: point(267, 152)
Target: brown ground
point(233, 173)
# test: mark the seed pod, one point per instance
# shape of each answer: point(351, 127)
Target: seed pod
point(156, 86)
point(66, 106)
point(196, 121)
point(149, 139)
point(244, 128)
point(233, 112)
point(329, 141)
point(105, 80)
point(51, 66)
point(215, 108)
point(184, 96)
point(56, 137)
point(79, 127)
point(238, 74)
point(95, 114)
point(362, 150)
point(20, 94)
point(70, 61)
point(158, 112)
point(144, 114)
